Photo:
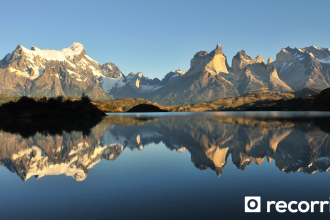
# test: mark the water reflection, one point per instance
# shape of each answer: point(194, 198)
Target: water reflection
point(30, 148)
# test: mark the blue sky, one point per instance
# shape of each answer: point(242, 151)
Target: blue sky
point(155, 37)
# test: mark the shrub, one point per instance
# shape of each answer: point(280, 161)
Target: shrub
point(24, 100)
point(85, 98)
point(60, 99)
point(43, 100)
point(111, 108)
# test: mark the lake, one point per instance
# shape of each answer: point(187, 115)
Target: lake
point(166, 166)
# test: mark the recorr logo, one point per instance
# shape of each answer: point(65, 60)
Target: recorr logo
point(294, 206)
point(252, 204)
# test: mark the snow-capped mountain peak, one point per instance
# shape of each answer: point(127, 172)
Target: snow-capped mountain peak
point(139, 74)
point(303, 68)
point(63, 55)
point(321, 54)
point(77, 47)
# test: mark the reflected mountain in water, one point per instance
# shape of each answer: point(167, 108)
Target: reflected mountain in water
point(294, 144)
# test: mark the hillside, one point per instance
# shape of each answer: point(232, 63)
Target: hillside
point(307, 92)
point(251, 100)
point(51, 108)
point(320, 102)
point(118, 105)
point(107, 105)
point(7, 98)
point(245, 100)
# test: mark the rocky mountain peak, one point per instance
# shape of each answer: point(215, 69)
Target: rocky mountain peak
point(137, 84)
point(242, 55)
point(285, 55)
point(45, 55)
point(19, 46)
point(201, 53)
point(139, 74)
point(15, 59)
point(19, 50)
point(5, 60)
point(241, 60)
point(265, 78)
point(259, 59)
point(179, 71)
point(172, 76)
point(110, 70)
point(132, 75)
point(320, 54)
point(270, 60)
point(77, 47)
point(218, 49)
point(304, 55)
point(214, 62)
point(303, 68)
point(51, 72)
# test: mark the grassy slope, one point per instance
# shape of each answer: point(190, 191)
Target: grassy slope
point(111, 105)
point(124, 104)
point(7, 98)
point(307, 92)
point(118, 105)
point(247, 99)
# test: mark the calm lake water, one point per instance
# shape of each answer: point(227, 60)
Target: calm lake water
point(164, 166)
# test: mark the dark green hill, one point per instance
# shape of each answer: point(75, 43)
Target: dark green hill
point(27, 107)
point(307, 92)
point(146, 108)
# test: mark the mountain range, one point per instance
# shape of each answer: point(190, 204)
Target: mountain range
point(36, 72)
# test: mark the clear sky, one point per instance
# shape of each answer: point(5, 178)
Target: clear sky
point(155, 37)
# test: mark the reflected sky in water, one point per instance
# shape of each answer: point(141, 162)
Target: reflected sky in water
point(163, 166)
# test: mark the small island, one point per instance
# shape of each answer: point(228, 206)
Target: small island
point(146, 108)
